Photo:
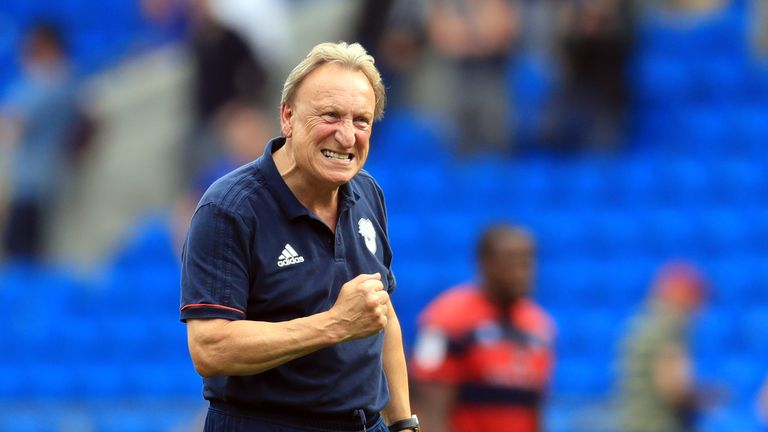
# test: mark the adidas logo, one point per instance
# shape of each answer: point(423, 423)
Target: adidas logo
point(289, 256)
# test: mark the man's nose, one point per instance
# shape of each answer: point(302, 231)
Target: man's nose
point(345, 133)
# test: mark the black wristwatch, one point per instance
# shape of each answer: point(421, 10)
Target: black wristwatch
point(405, 424)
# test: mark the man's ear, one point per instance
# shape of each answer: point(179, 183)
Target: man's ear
point(286, 117)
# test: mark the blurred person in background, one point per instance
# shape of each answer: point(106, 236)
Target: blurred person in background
point(687, 5)
point(483, 358)
point(241, 130)
point(474, 40)
point(394, 31)
point(595, 47)
point(286, 269)
point(760, 27)
point(37, 120)
point(225, 70)
point(658, 392)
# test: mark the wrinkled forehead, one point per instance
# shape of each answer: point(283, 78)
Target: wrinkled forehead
point(334, 81)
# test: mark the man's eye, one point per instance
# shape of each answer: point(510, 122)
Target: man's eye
point(362, 122)
point(331, 115)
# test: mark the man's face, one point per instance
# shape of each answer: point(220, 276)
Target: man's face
point(509, 267)
point(329, 124)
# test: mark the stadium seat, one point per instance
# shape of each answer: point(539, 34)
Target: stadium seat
point(26, 422)
point(751, 332)
point(712, 334)
point(124, 420)
point(99, 381)
point(575, 377)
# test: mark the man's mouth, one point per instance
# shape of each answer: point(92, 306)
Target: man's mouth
point(337, 156)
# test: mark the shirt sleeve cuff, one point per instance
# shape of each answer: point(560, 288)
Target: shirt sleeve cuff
point(204, 310)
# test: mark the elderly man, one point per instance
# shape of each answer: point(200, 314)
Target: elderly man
point(286, 269)
point(483, 357)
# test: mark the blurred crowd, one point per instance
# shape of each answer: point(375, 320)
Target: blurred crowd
point(503, 78)
point(506, 77)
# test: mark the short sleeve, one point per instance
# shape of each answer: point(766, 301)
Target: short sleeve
point(215, 278)
point(435, 358)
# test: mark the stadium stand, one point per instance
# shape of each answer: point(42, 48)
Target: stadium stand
point(692, 183)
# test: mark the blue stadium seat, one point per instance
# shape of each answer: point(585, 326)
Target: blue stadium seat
point(145, 291)
point(576, 377)
point(559, 233)
point(611, 234)
point(407, 135)
point(712, 334)
point(669, 233)
point(743, 375)
point(752, 334)
point(48, 381)
point(740, 181)
point(125, 420)
point(99, 380)
point(13, 383)
point(733, 283)
point(26, 422)
point(661, 81)
point(724, 232)
point(151, 245)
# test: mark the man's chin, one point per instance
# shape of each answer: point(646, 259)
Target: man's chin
point(340, 178)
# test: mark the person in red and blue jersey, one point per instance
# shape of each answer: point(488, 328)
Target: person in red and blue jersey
point(483, 357)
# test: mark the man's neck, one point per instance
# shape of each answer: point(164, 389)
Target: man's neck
point(323, 201)
point(503, 304)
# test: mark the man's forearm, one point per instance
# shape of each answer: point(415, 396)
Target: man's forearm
point(396, 370)
point(222, 347)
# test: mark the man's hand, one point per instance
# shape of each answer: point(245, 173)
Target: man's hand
point(361, 308)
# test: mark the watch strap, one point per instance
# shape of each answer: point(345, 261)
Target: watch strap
point(405, 424)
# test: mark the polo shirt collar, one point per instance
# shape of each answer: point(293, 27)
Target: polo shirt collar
point(349, 193)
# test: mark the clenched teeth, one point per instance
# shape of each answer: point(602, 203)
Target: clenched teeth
point(337, 156)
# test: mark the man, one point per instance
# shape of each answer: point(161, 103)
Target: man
point(483, 357)
point(286, 269)
point(37, 118)
point(658, 391)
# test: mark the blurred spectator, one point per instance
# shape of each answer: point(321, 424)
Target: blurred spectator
point(168, 21)
point(37, 118)
point(657, 386)
point(393, 30)
point(596, 44)
point(224, 70)
point(224, 67)
point(760, 27)
point(475, 38)
point(264, 26)
point(690, 5)
point(241, 132)
point(483, 356)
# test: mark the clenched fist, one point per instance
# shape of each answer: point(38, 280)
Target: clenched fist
point(361, 308)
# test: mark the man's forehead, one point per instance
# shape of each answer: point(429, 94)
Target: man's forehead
point(331, 80)
point(513, 242)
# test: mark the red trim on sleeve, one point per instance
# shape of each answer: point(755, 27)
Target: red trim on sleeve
point(199, 305)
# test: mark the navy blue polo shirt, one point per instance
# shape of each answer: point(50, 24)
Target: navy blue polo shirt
point(254, 252)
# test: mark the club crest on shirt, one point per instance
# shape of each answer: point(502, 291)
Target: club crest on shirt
point(365, 228)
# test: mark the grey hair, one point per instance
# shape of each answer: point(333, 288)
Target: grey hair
point(352, 56)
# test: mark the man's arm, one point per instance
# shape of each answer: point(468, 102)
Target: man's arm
point(223, 347)
point(673, 376)
point(393, 358)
